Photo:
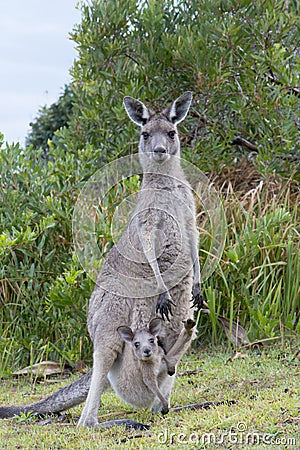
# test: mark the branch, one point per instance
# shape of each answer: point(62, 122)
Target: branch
point(244, 143)
point(203, 119)
point(236, 141)
point(132, 58)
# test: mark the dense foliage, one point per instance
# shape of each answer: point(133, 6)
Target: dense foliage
point(41, 298)
point(241, 60)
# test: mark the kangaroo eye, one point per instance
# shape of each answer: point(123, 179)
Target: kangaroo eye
point(136, 344)
point(145, 135)
point(171, 134)
point(151, 340)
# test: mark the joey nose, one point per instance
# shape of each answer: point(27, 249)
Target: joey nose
point(159, 149)
point(147, 352)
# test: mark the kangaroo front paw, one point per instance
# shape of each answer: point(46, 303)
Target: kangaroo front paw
point(197, 297)
point(164, 305)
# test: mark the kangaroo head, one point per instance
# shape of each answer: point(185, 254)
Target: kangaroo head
point(143, 341)
point(159, 138)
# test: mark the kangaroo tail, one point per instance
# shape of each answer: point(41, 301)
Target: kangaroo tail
point(65, 398)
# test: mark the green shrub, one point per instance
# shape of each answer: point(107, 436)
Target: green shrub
point(49, 120)
point(36, 202)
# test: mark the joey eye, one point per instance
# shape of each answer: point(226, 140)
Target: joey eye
point(136, 344)
point(151, 340)
point(171, 134)
point(145, 135)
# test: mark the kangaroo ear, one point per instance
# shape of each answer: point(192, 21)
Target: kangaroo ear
point(155, 326)
point(179, 108)
point(136, 111)
point(125, 333)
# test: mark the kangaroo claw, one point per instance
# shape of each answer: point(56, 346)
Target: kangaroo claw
point(164, 305)
point(197, 298)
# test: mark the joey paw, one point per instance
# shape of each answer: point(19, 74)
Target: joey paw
point(165, 410)
point(171, 371)
point(189, 325)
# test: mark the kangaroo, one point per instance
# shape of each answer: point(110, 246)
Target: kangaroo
point(153, 268)
point(145, 362)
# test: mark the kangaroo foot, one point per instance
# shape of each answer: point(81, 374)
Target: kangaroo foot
point(164, 305)
point(189, 325)
point(88, 422)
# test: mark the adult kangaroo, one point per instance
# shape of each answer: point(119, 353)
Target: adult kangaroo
point(161, 240)
point(154, 268)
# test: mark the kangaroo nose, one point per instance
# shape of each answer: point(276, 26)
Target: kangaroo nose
point(159, 149)
point(147, 352)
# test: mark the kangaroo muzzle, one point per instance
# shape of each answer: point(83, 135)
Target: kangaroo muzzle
point(160, 153)
point(146, 353)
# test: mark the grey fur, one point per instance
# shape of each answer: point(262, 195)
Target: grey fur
point(145, 362)
point(159, 247)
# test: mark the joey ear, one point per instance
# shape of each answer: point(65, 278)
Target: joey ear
point(177, 111)
point(155, 326)
point(136, 110)
point(125, 333)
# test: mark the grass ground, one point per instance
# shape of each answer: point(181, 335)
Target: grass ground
point(263, 383)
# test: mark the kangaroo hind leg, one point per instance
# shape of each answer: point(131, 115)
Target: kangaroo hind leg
point(103, 360)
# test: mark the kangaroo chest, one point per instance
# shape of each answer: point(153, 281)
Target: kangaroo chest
point(166, 207)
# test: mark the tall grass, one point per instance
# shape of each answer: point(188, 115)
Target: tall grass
point(257, 282)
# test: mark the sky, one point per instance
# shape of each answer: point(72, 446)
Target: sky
point(36, 54)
